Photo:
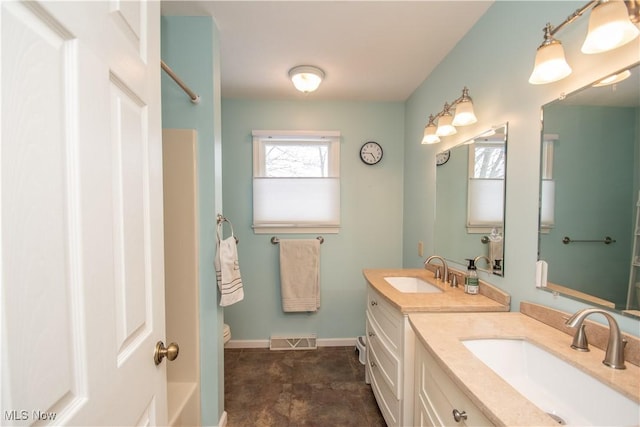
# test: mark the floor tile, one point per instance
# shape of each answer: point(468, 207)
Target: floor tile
point(322, 387)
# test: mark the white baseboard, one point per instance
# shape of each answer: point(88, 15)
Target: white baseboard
point(337, 342)
point(247, 344)
point(322, 342)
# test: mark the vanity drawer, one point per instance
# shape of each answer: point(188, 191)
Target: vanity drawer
point(388, 320)
point(382, 358)
point(437, 396)
point(389, 405)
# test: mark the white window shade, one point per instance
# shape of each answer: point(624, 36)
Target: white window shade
point(296, 202)
point(486, 203)
point(547, 203)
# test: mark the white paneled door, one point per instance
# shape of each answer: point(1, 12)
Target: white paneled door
point(81, 214)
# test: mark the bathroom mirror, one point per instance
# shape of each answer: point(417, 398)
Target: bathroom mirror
point(589, 187)
point(470, 188)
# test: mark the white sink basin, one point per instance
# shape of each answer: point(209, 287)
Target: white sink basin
point(412, 285)
point(554, 385)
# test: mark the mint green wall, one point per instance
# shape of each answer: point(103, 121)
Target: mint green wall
point(594, 198)
point(371, 199)
point(189, 47)
point(495, 60)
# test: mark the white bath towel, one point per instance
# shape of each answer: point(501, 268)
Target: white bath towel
point(228, 268)
point(300, 274)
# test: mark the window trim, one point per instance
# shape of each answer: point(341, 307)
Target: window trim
point(333, 137)
point(262, 136)
point(472, 226)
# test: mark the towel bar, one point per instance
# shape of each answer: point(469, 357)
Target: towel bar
point(607, 240)
point(275, 240)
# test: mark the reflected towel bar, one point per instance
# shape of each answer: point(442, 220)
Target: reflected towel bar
point(607, 240)
point(275, 240)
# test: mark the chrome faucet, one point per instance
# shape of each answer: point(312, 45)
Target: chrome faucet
point(479, 257)
point(614, 355)
point(445, 267)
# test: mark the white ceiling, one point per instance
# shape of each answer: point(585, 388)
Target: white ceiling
point(369, 50)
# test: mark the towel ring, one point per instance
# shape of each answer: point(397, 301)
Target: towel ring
point(220, 218)
point(275, 240)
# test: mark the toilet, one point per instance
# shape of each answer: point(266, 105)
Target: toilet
point(226, 333)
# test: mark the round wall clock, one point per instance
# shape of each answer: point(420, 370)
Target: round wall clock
point(371, 153)
point(443, 157)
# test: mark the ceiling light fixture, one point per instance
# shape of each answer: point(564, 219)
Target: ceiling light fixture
point(306, 78)
point(444, 123)
point(610, 26)
point(613, 79)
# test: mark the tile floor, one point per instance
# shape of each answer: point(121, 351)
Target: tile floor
point(323, 387)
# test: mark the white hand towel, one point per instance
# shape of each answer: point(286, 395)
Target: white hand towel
point(300, 274)
point(228, 268)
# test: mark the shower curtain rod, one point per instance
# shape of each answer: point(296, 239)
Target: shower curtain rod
point(195, 98)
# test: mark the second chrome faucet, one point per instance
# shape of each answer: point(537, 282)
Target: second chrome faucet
point(614, 355)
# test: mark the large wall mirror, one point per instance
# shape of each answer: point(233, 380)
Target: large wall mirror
point(589, 185)
point(470, 189)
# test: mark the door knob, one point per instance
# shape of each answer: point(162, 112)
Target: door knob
point(161, 352)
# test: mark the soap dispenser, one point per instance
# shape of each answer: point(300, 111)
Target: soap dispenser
point(471, 281)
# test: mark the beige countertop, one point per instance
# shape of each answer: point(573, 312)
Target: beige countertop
point(441, 334)
point(450, 300)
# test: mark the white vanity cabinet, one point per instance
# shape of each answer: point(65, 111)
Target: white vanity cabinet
point(390, 353)
point(438, 401)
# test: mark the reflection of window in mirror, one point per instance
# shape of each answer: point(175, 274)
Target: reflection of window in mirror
point(486, 184)
point(548, 187)
point(488, 160)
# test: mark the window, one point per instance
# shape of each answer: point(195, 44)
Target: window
point(485, 209)
point(296, 181)
point(547, 184)
point(489, 160)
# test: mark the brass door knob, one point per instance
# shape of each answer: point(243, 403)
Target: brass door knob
point(161, 352)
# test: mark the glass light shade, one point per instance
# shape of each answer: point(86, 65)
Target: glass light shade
point(306, 78)
point(609, 28)
point(550, 65)
point(445, 126)
point(430, 136)
point(464, 114)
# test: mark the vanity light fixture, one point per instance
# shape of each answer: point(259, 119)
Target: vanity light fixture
point(610, 26)
point(444, 123)
point(306, 78)
point(430, 136)
point(550, 64)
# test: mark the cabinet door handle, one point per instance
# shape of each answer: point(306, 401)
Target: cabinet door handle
point(373, 365)
point(459, 416)
point(373, 303)
point(372, 334)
